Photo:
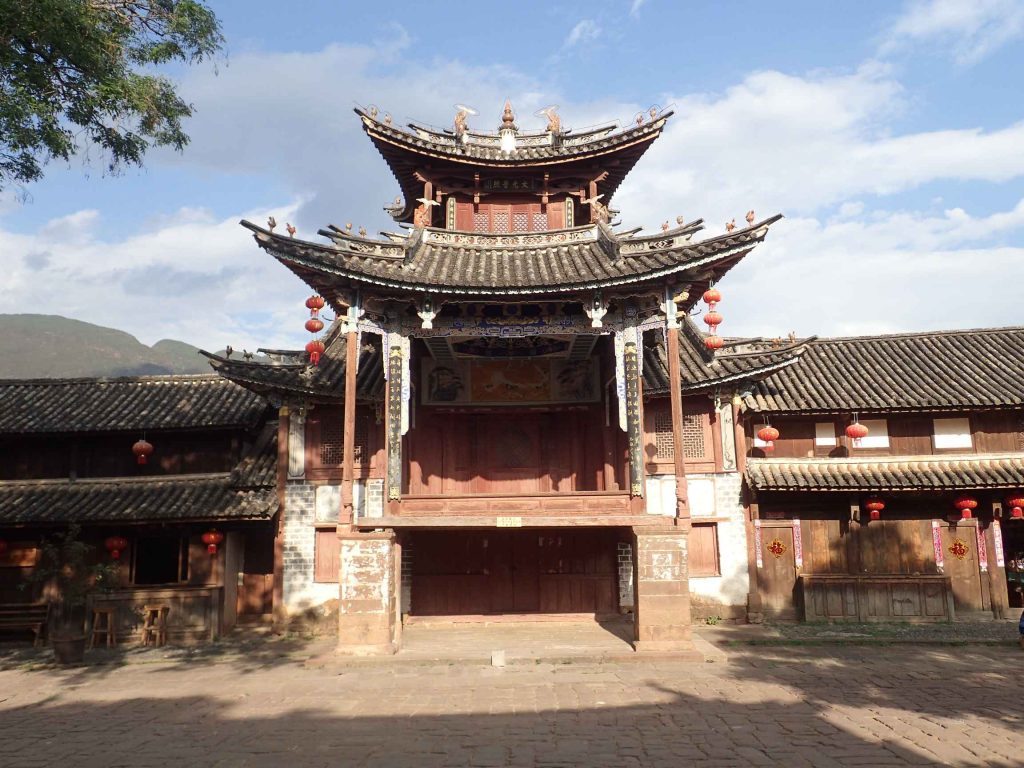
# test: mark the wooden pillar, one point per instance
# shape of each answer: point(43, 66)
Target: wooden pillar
point(634, 425)
point(755, 606)
point(675, 394)
point(348, 456)
point(278, 609)
point(997, 569)
point(393, 426)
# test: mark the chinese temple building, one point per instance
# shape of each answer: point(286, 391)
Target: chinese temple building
point(509, 407)
point(514, 409)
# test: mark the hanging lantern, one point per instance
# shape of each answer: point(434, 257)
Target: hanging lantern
point(768, 435)
point(315, 349)
point(713, 319)
point(211, 539)
point(115, 546)
point(712, 297)
point(142, 449)
point(314, 304)
point(1016, 505)
point(966, 505)
point(314, 325)
point(856, 432)
point(874, 506)
point(713, 342)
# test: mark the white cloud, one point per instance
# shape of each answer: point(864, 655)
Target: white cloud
point(778, 142)
point(194, 278)
point(971, 29)
point(896, 272)
point(820, 148)
point(635, 6)
point(585, 31)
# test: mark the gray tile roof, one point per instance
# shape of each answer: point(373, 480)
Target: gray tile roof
point(126, 404)
point(732, 366)
point(887, 474)
point(939, 370)
point(291, 373)
point(247, 493)
point(443, 262)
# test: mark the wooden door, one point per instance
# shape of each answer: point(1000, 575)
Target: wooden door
point(777, 575)
point(525, 572)
point(960, 555)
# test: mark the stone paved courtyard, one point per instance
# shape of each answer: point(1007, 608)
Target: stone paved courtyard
point(794, 706)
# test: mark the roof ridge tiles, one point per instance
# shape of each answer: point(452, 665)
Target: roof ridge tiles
point(154, 378)
point(148, 479)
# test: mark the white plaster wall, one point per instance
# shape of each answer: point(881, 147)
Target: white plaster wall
point(300, 591)
point(711, 495)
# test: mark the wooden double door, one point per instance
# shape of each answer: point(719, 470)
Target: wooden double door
point(528, 571)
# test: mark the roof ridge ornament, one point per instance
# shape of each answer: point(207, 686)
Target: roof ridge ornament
point(507, 132)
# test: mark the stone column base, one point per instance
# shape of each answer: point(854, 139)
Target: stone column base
point(366, 594)
point(662, 603)
point(755, 610)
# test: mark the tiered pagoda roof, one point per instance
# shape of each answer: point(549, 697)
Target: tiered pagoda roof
point(454, 263)
point(406, 149)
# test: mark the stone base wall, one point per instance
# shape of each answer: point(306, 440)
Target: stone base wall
point(624, 560)
point(662, 611)
point(366, 620)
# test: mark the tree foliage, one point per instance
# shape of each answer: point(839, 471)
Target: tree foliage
point(82, 73)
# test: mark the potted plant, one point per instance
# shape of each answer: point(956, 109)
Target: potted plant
point(68, 573)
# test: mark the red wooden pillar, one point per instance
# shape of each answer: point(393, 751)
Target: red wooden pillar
point(348, 455)
point(675, 394)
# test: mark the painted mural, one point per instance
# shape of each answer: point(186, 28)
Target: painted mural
point(510, 382)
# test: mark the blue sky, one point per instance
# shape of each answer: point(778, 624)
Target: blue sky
point(890, 134)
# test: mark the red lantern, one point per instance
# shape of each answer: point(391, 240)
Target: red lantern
point(314, 304)
point(115, 545)
point(874, 506)
point(712, 297)
point(1016, 504)
point(314, 325)
point(315, 349)
point(966, 505)
point(712, 318)
point(211, 539)
point(856, 432)
point(713, 342)
point(142, 449)
point(768, 435)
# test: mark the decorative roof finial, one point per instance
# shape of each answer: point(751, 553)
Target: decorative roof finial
point(508, 118)
point(664, 226)
point(291, 229)
point(680, 220)
point(730, 226)
point(271, 223)
point(750, 217)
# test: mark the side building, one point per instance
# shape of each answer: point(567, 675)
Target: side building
point(70, 454)
point(894, 489)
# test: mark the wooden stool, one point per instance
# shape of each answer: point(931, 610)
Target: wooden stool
point(104, 630)
point(154, 625)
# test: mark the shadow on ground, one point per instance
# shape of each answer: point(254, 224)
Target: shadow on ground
point(793, 706)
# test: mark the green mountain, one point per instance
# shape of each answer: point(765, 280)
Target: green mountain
point(49, 346)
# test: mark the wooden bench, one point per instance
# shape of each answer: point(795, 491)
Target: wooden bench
point(25, 616)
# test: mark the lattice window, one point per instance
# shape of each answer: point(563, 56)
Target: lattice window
point(693, 436)
point(520, 222)
point(540, 222)
point(332, 441)
point(500, 221)
point(481, 221)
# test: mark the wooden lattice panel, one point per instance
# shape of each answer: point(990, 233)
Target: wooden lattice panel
point(481, 222)
point(520, 222)
point(693, 436)
point(540, 222)
point(500, 221)
point(332, 442)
